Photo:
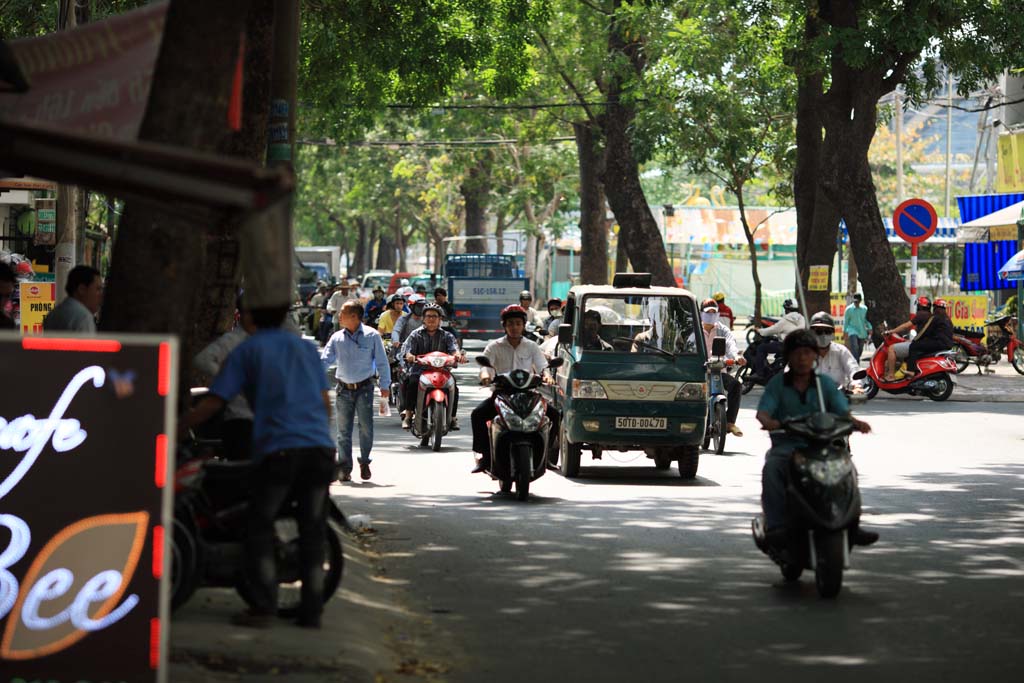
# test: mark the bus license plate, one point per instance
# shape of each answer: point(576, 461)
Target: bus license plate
point(641, 423)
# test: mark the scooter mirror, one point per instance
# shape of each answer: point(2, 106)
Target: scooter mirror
point(484, 361)
point(718, 346)
point(556, 362)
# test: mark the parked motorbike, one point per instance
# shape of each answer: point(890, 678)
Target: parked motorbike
point(1001, 335)
point(210, 517)
point(435, 399)
point(521, 433)
point(936, 376)
point(967, 349)
point(746, 373)
point(716, 430)
point(822, 503)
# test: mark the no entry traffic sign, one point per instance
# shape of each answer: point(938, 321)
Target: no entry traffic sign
point(915, 220)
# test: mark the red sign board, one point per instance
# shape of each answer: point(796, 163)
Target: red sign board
point(915, 220)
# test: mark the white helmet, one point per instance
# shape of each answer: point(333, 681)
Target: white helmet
point(406, 292)
point(404, 282)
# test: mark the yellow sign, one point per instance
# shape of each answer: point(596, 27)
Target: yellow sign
point(818, 281)
point(1010, 173)
point(969, 310)
point(37, 300)
point(837, 303)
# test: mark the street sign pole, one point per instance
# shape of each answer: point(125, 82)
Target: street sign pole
point(915, 221)
point(913, 271)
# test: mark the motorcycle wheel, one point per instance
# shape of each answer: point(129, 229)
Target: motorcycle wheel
point(791, 572)
point(689, 460)
point(289, 589)
point(751, 335)
point(962, 358)
point(870, 388)
point(720, 429)
point(570, 455)
point(943, 389)
point(1018, 359)
point(743, 377)
point(438, 415)
point(185, 575)
point(524, 469)
point(828, 575)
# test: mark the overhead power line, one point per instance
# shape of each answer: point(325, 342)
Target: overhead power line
point(396, 144)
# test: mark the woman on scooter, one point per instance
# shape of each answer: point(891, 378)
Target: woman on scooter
point(794, 393)
point(936, 336)
point(901, 350)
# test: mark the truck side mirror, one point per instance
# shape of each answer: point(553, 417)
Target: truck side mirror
point(565, 334)
point(556, 362)
point(718, 346)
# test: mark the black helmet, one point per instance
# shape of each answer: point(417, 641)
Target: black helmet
point(790, 305)
point(434, 307)
point(393, 298)
point(799, 339)
point(525, 294)
point(823, 320)
point(440, 290)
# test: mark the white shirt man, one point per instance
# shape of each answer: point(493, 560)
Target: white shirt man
point(839, 364)
point(506, 358)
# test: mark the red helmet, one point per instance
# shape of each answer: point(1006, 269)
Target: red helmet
point(940, 303)
point(513, 311)
point(923, 302)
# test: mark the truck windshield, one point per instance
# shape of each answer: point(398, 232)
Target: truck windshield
point(638, 324)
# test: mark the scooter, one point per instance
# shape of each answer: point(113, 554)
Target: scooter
point(1002, 334)
point(936, 376)
point(752, 327)
point(822, 503)
point(397, 375)
point(435, 398)
point(746, 374)
point(520, 434)
point(211, 500)
point(967, 349)
point(716, 430)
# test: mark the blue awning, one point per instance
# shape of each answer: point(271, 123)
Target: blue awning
point(982, 260)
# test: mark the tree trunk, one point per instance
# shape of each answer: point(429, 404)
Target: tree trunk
point(386, 250)
point(621, 257)
point(752, 248)
point(499, 232)
point(361, 262)
point(593, 226)
point(476, 194)
point(153, 284)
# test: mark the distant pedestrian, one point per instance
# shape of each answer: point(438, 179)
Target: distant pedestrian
point(292, 452)
point(77, 313)
point(856, 326)
point(358, 352)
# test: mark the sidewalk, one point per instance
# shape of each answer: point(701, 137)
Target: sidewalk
point(367, 636)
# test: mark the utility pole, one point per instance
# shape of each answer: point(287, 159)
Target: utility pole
point(899, 147)
point(949, 138)
point(66, 250)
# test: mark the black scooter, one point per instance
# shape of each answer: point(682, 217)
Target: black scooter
point(211, 501)
point(520, 434)
point(822, 503)
point(746, 374)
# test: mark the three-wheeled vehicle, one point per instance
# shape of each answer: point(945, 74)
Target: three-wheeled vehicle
point(633, 376)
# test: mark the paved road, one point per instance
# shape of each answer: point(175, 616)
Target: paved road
point(632, 574)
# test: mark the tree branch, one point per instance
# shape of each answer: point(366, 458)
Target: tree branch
point(565, 77)
point(594, 7)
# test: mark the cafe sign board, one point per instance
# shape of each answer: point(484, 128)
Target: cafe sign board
point(85, 498)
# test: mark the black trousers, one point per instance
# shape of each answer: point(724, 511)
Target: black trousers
point(733, 396)
point(237, 436)
point(301, 475)
point(922, 350)
point(486, 411)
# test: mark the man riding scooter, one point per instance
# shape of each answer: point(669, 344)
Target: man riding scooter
point(936, 337)
point(791, 321)
point(374, 307)
point(511, 352)
point(713, 326)
point(900, 351)
point(834, 360)
point(426, 339)
point(793, 394)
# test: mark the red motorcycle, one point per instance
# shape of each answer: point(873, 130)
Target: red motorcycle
point(435, 399)
point(967, 349)
point(935, 378)
point(1002, 335)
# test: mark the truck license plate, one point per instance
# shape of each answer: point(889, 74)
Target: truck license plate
point(641, 423)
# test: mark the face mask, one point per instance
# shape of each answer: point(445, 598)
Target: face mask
point(825, 339)
point(555, 314)
point(709, 318)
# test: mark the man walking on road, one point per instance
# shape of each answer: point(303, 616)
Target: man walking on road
point(358, 352)
point(856, 327)
point(279, 374)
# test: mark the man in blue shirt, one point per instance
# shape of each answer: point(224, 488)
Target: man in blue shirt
point(280, 375)
point(788, 395)
point(358, 352)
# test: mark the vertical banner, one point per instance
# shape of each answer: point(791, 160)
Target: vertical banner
point(86, 459)
point(837, 304)
point(37, 300)
point(46, 222)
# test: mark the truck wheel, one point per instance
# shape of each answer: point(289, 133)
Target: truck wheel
point(570, 455)
point(662, 458)
point(689, 459)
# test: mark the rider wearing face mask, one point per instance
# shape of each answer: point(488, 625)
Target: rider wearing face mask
point(834, 360)
point(712, 326)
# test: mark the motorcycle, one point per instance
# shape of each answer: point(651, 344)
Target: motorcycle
point(716, 430)
point(822, 503)
point(746, 374)
point(435, 398)
point(752, 328)
point(397, 374)
point(520, 434)
point(210, 518)
point(1002, 335)
point(967, 349)
point(935, 379)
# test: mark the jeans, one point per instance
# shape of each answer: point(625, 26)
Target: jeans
point(774, 476)
point(351, 404)
point(301, 475)
point(856, 345)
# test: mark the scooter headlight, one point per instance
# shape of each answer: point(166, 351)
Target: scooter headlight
point(514, 422)
point(532, 421)
point(830, 472)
